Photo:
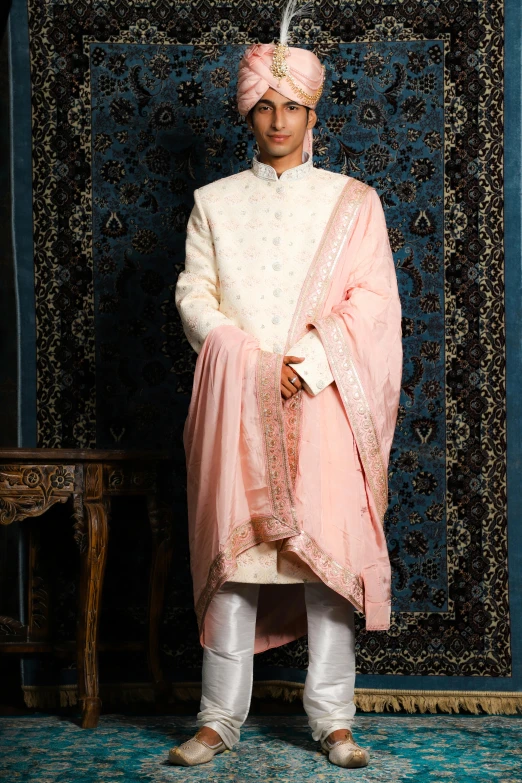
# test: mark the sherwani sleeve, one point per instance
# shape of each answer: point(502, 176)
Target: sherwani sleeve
point(315, 371)
point(197, 290)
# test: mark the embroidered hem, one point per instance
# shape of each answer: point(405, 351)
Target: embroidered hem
point(254, 531)
point(264, 529)
point(332, 573)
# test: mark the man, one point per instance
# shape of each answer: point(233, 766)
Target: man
point(289, 296)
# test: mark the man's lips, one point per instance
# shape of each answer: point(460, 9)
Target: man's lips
point(279, 138)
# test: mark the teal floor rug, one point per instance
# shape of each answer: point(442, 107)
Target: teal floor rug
point(129, 749)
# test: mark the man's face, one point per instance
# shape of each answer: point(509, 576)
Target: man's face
point(280, 125)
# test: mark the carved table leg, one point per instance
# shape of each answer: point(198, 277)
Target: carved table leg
point(38, 592)
point(91, 532)
point(160, 519)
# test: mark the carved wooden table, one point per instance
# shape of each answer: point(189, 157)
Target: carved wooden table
point(33, 480)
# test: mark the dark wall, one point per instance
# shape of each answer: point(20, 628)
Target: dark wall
point(8, 352)
point(8, 331)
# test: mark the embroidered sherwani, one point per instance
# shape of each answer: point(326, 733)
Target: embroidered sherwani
point(251, 241)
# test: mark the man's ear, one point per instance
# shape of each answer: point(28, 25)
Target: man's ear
point(312, 119)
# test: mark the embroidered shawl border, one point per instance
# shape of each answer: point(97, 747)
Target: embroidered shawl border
point(268, 386)
point(332, 573)
point(262, 529)
point(254, 531)
point(357, 407)
point(292, 412)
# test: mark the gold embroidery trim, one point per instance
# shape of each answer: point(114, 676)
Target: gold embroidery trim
point(292, 411)
point(332, 573)
point(255, 531)
point(268, 387)
point(280, 70)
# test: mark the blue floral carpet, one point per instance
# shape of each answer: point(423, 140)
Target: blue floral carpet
point(423, 748)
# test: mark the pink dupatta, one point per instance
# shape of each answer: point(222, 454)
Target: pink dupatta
point(310, 472)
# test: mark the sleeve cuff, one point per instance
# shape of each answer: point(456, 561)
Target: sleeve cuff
point(315, 371)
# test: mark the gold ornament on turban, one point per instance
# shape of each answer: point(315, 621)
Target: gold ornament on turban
point(279, 67)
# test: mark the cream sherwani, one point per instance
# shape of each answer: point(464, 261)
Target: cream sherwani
point(250, 238)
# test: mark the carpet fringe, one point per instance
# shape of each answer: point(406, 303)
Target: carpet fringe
point(51, 696)
point(491, 703)
point(366, 699)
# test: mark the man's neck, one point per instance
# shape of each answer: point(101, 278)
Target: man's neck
point(281, 164)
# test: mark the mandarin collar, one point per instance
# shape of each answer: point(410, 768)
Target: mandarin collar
point(264, 171)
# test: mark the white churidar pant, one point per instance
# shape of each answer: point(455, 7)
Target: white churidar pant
point(229, 651)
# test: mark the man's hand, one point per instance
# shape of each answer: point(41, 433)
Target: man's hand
point(289, 389)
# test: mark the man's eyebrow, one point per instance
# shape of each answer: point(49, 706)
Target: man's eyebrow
point(271, 103)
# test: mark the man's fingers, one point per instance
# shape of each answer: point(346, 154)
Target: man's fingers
point(290, 387)
point(289, 372)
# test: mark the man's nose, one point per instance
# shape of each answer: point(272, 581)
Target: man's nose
point(278, 119)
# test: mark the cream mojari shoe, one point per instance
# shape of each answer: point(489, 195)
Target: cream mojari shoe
point(346, 752)
point(195, 751)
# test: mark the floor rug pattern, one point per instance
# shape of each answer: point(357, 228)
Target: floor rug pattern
point(430, 749)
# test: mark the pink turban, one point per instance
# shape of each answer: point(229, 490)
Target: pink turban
point(255, 77)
